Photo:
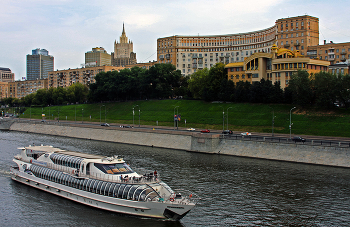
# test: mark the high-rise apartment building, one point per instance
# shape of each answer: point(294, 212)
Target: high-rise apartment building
point(298, 33)
point(97, 57)
point(6, 75)
point(191, 53)
point(123, 51)
point(39, 64)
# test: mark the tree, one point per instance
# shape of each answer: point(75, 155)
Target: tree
point(324, 88)
point(300, 88)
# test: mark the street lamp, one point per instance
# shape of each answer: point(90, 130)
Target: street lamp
point(290, 123)
point(227, 116)
point(133, 114)
point(82, 115)
point(176, 116)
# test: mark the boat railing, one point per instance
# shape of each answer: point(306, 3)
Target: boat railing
point(122, 179)
point(150, 177)
point(183, 196)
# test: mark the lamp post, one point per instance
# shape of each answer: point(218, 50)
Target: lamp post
point(290, 123)
point(82, 115)
point(75, 114)
point(174, 114)
point(133, 115)
point(227, 116)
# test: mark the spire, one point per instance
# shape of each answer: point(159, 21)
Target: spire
point(123, 33)
point(123, 38)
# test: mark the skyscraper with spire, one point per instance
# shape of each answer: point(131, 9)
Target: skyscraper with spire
point(123, 51)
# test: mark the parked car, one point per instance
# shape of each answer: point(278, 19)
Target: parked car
point(227, 132)
point(105, 124)
point(191, 129)
point(205, 131)
point(126, 126)
point(246, 134)
point(298, 139)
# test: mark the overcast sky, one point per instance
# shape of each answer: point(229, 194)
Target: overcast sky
point(69, 28)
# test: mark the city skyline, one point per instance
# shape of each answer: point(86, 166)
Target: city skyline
point(69, 29)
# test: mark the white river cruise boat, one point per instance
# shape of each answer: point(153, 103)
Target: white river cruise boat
point(103, 182)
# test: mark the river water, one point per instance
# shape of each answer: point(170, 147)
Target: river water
point(234, 191)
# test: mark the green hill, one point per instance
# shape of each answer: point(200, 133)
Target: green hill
point(199, 114)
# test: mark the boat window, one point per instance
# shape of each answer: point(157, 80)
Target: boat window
point(126, 191)
point(106, 191)
point(103, 188)
point(115, 190)
point(94, 187)
point(138, 193)
point(118, 168)
point(90, 185)
point(131, 191)
point(84, 184)
point(120, 190)
point(150, 196)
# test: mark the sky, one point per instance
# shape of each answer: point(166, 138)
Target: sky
point(70, 28)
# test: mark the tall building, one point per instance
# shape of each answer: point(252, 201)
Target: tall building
point(191, 53)
point(97, 57)
point(123, 51)
point(39, 64)
point(298, 33)
point(6, 75)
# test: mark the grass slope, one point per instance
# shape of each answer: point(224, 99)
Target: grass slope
point(199, 114)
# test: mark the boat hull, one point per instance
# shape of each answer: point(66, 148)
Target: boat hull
point(152, 209)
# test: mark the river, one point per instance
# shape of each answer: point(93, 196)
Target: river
point(234, 191)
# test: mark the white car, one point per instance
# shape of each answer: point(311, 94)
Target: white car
point(191, 129)
point(246, 134)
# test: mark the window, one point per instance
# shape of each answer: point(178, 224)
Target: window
point(281, 36)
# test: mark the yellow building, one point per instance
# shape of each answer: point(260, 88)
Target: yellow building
point(297, 33)
point(332, 52)
point(65, 78)
point(192, 53)
point(19, 89)
point(342, 68)
point(97, 57)
point(3, 90)
point(277, 66)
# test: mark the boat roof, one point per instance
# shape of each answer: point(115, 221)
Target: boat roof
point(51, 149)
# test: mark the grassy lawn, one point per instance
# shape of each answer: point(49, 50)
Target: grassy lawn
point(199, 114)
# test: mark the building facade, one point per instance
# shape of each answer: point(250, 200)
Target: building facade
point(86, 76)
point(20, 89)
point(98, 56)
point(192, 53)
point(297, 33)
point(332, 52)
point(6, 75)
point(39, 64)
point(123, 51)
point(277, 66)
point(3, 90)
point(341, 68)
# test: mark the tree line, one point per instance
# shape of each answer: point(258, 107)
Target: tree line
point(163, 81)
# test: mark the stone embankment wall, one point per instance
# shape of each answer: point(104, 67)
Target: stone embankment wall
point(194, 141)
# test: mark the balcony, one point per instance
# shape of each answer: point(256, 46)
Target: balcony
point(286, 45)
point(296, 44)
